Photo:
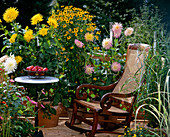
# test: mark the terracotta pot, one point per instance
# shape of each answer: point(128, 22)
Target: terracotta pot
point(53, 122)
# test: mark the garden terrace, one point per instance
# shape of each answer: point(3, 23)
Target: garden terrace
point(67, 65)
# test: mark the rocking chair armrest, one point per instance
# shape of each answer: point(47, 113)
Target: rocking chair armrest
point(107, 99)
point(89, 86)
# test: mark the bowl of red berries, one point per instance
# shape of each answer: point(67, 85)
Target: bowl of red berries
point(36, 71)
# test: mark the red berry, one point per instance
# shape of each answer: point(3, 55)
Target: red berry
point(45, 69)
point(34, 69)
point(30, 67)
point(27, 68)
point(40, 69)
point(37, 67)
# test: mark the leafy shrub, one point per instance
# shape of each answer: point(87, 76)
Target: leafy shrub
point(13, 105)
point(146, 24)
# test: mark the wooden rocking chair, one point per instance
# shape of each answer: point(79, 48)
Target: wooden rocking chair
point(111, 105)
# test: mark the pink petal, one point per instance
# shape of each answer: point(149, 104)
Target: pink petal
point(42, 106)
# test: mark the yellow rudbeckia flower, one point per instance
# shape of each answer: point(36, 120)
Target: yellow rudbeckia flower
point(89, 36)
point(28, 35)
point(43, 31)
point(10, 14)
point(36, 19)
point(52, 22)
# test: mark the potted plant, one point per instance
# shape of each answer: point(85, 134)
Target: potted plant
point(48, 115)
point(49, 112)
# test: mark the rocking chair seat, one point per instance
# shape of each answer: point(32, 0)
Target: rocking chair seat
point(96, 106)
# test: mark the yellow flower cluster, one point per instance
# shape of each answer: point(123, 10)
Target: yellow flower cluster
point(12, 39)
point(10, 14)
point(72, 20)
point(89, 36)
point(36, 19)
point(52, 22)
point(28, 35)
point(43, 31)
point(91, 26)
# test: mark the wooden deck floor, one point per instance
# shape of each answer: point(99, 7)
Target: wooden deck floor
point(62, 131)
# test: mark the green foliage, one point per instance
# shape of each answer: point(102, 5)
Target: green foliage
point(145, 24)
point(48, 111)
point(154, 98)
point(163, 6)
point(14, 104)
point(22, 128)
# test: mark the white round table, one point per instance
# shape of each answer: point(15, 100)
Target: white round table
point(36, 82)
point(46, 80)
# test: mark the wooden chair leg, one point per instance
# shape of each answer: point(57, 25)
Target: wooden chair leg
point(94, 126)
point(74, 113)
point(128, 125)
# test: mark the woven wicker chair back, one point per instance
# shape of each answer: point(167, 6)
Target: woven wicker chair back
point(134, 68)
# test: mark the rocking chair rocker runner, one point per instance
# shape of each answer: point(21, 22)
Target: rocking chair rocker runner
point(123, 92)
